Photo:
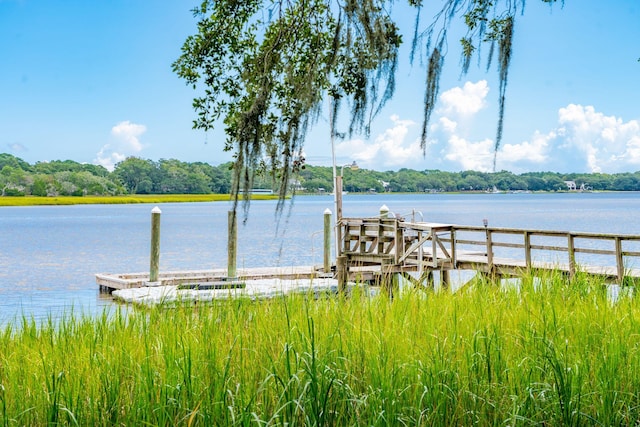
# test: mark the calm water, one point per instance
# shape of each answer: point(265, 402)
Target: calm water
point(49, 255)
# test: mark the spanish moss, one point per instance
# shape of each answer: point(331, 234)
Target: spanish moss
point(504, 60)
point(264, 69)
point(487, 21)
point(431, 94)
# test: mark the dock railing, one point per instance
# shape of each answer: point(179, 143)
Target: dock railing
point(425, 245)
point(608, 254)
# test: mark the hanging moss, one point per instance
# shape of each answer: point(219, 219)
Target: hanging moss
point(263, 68)
point(431, 94)
point(505, 43)
point(487, 21)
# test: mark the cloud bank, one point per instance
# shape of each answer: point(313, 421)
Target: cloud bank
point(124, 142)
point(389, 150)
point(582, 140)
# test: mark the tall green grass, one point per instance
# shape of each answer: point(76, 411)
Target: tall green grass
point(549, 352)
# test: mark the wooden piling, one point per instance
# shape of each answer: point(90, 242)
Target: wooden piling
point(572, 254)
point(489, 248)
point(338, 195)
point(154, 264)
point(327, 241)
point(445, 279)
point(527, 249)
point(619, 260)
point(232, 244)
point(342, 274)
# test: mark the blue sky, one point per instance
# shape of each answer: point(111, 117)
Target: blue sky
point(92, 82)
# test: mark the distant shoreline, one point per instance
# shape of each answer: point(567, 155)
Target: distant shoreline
point(120, 200)
point(196, 198)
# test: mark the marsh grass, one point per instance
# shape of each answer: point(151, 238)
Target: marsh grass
point(129, 199)
point(550, 352)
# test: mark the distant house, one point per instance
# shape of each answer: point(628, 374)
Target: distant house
point(571, 185)
point(295, 185)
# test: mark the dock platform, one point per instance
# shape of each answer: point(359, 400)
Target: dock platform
point(371, 250)
point(115, 281)
point(209, 285)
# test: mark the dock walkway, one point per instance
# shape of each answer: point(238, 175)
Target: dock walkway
point(209, 285)
point(115, 281)
point(371, 249)
point(391, 245)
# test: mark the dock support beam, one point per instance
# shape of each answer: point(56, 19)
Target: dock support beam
point(327, 241)
point(388, 279)
point(154, 264)
point(489, 248)
point(445, 279)
point(342, 273)
point(619, 260)
point(572, 255)
point(232, 245)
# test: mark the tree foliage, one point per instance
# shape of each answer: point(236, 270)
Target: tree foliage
point(55, 178)
point(264, 67)
point(169, 176)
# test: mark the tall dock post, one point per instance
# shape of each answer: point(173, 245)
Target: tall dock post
point(232, 245)
point(327, 240)
point(155, 244)
point(384, 211)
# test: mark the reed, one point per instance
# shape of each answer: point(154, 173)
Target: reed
point(550, 351)
point(128, 199)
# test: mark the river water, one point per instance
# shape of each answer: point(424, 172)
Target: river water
point(49, 254)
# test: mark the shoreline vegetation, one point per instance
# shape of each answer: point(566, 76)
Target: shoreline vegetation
point(6, 201)
point(136, 176)
point(123, 199)
point(550, 351)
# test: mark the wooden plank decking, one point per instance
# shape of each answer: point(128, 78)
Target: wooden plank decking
point(113, 281)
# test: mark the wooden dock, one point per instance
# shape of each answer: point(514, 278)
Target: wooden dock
point(391, 245)
point(371, 250)
point(114, 281)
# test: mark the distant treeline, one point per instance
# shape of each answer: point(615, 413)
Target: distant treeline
point(131, 176)
point(141, 176)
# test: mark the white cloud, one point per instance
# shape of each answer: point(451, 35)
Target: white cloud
point(125, 141)
point(449, 134)
point(583, 139)
point(127, 133)
point(604, 143)
point(526, 156)
point(470, 155)
point(447, 125)
point(465, 101)
point(534, 151)
point(388, 150)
